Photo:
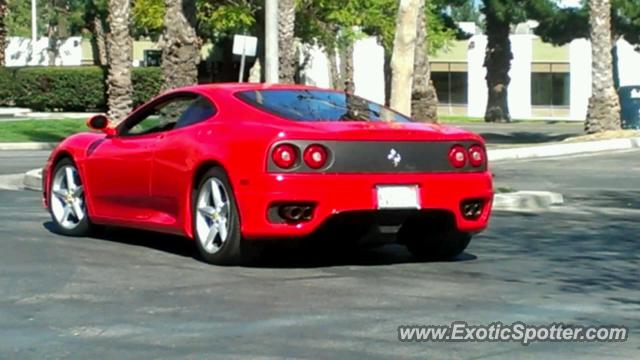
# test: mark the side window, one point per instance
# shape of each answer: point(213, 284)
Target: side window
point(162, 117)
point(199, 110)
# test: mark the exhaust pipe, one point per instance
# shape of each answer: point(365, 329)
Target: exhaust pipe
point(296, 213)
point(291, 213)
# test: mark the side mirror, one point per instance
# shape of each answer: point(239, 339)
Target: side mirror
point(101, 123)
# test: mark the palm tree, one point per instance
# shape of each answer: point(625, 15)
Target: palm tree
point(497, 60)
point(403, 56)
point(604, 106)
point(3, 30)
point(286, 44)
point(119, 54)
point(180, 44)
point(424, 100)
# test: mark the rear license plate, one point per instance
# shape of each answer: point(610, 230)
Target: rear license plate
point(398, 196)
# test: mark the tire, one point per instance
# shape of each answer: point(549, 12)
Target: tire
point(67, 204)
point(425, 243)
point(216, 223)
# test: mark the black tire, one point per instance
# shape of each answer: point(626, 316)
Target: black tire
point(83, 226)
point(425, 243)
point(233, 250)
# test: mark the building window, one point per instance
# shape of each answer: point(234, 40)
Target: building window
point(451, 87)
point(451, 83)
point(550, 86)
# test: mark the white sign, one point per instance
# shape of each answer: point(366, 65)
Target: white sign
point(245, 45)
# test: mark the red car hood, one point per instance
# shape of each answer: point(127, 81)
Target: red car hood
point(357, 130)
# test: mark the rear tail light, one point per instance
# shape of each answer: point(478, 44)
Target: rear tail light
point(315, 156)
point(285, 156)
point(458, 156)
point(477, 156)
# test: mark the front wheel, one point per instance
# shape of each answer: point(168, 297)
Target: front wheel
point(427, 243)
point(216, 223)
point(67, 203)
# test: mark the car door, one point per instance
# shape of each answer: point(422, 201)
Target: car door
point(174, 157)
point(119, 168)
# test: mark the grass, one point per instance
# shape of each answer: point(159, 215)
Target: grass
point(48, 130)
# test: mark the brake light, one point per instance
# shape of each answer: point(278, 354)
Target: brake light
point(458, 156)
point(285, 156)
point(476, 155)
point(315, 156)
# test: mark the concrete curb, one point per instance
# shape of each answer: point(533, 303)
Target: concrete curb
point(526, 201)
point(27, 146)
point(33, 180)
point(542, 151)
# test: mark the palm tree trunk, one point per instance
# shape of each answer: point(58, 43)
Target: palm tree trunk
point(3, 30)
point(403, 57)
point(286, 44)
point(497, 60)
point(100, 41)
point(119, 88)
point(334, 73)
point(424, 100)
point(604, 105)
point(346, 82)
point(180, 44)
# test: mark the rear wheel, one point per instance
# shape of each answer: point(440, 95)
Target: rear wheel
point(67, 203)
point(429, 243)
point(216, 224)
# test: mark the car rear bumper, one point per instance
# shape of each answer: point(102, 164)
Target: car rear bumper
point(333, 194)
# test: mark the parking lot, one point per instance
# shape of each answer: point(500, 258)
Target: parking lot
point(131, 294)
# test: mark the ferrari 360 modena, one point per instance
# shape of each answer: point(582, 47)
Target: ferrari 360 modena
point(233, 165)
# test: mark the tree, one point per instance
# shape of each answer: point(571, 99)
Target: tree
point(119, 53)
point(286, 44)
point(3, 30)
point(604, 105)
point(180, 44)
point(560, 26)
point(403, 57)
point(96, 13)
point(424, 99)
point(148, 18)
point(499, 15)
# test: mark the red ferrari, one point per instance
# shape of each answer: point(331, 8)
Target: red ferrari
point(230, 165)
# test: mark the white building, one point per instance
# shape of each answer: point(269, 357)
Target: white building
point(547, 82)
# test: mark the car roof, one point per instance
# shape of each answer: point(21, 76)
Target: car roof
point(235, 87)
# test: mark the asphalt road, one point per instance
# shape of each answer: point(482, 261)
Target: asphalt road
point(130, 294)
point(14, 162)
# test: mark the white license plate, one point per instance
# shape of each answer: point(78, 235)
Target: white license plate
point(398, 196)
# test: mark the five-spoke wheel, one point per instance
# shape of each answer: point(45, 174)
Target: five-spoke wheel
point(216, 223)
point(67, 202)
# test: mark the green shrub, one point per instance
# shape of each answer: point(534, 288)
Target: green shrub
point(73, 88)
point(61, 88)
point(147, 82)
point(7, 86)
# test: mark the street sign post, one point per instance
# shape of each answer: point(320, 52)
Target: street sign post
point(244, 46)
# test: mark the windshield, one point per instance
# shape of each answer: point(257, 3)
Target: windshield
point(319, 105)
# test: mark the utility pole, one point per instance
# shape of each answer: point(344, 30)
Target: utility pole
point(271, 42)
point(34, 24)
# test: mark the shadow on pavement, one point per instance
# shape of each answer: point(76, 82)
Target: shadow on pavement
point(285, 255)
point(523, 137)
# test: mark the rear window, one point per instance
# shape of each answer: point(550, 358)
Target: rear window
point(319, 105)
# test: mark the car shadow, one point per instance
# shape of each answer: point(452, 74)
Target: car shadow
point(522, 137)
point(273, 255)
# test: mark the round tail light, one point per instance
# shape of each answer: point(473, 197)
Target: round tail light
point(284, 156)
point(315, 156)
point(458, 156)
point(476, 155)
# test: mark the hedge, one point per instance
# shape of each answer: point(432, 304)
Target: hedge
point(69, 88)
